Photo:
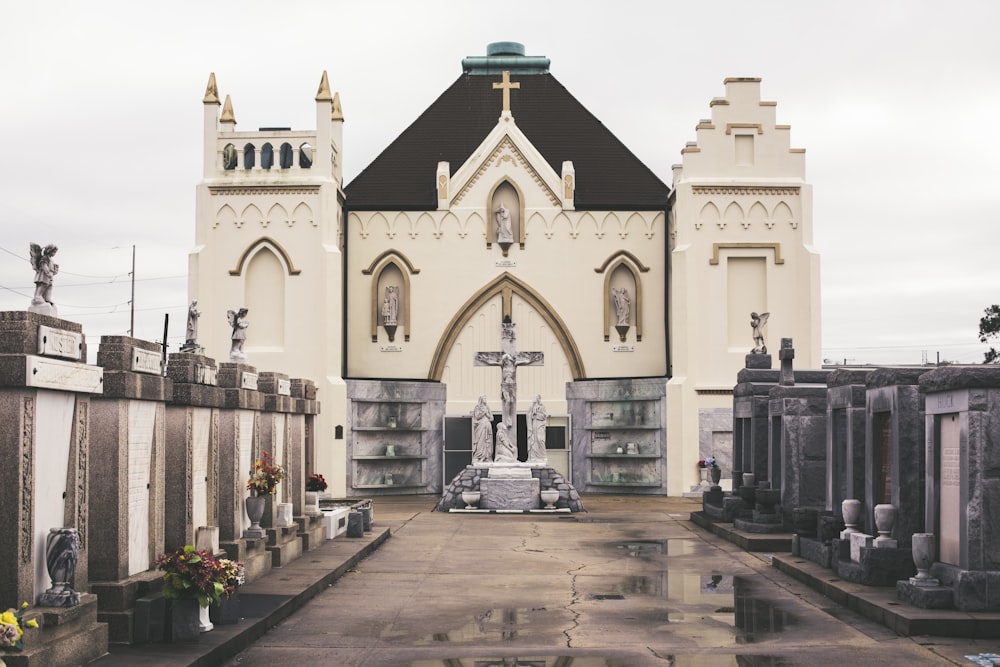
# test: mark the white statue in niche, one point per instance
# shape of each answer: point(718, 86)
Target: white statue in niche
point(619, 295)
point(390, 306)
point(505, 229)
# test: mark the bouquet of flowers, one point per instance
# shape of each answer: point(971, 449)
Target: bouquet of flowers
point(198, 574)
point(232, 573)
point(708, 463)
point(265, 475)
point(12, 628)
point(315, 482)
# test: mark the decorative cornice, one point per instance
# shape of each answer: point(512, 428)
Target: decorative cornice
point(784, 191)
point(776, 247)
point(744, 126)
point(237, 190)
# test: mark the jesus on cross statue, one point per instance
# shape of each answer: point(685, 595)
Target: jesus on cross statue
point(508, 359)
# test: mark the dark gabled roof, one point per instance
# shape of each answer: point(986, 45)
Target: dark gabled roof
point(608, 175)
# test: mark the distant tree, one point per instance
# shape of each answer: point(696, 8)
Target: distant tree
point(989, 329)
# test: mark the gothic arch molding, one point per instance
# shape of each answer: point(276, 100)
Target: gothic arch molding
point(507, 286)
point(490, 211)
point(271, 245)
point(405, 268)
point(633, 266)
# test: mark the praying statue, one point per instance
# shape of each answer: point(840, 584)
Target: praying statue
point(619, 295)
point(390, 306)
point(191, 334)
point(756, 322)
point(45, 272)
point(238, 321)
point(537, 418)
point(505, 230)
point(482, 432)
point(505, 451)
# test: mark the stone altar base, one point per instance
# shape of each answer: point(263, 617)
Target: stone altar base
point(283, 544)
point(874, 566)
point(311, 531)
point(509, 488)
point(68, 636)
point(252, 553)
point(116, 602)
point(473, 476)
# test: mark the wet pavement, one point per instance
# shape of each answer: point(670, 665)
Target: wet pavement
point(631, 582)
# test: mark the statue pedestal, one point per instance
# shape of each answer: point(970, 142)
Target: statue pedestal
point(509, 488)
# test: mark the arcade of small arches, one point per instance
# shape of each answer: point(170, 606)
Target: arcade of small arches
point(286, 156)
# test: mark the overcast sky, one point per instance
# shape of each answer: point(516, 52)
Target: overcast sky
point(894, 102)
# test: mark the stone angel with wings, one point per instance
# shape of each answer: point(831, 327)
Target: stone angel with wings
point(757, 322)
point(45, 271)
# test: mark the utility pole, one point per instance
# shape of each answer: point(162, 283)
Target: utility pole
point(131, 325)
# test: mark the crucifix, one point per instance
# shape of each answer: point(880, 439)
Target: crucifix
point(506, 85)
point(508, 359)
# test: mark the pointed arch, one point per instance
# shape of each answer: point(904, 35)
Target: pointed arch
point(631, 264)
point(226, 214)
point(273, 246)
point(506, 285)
point(276, 213)
point(391, 253)
point(251, 214)
point(302, 214)
point(709, 215)
point(783, 214)
point(734, 214)
point(757, 216)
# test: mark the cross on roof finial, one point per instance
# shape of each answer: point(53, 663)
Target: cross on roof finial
point(506, 85)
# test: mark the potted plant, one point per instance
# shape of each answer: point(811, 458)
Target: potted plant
point(227, 610)
point(12, 628)
point(192, 579)
point(263, 482)
point(315, 485)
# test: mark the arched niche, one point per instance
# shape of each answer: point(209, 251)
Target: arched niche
point(390, 293)
point(505, 193)
point(622, 271)
point(264, 287)
point(273, 246)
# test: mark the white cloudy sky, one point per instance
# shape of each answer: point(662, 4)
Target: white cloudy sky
point(894, 101)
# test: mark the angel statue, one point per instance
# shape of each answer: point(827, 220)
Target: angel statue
point(45, 271)
point(756, 323)
point(238, 321)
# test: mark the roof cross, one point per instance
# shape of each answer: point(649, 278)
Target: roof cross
point(506, 85)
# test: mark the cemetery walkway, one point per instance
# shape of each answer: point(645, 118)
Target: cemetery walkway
point(631, 582)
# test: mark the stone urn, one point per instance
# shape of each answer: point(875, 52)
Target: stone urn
point(851, 509)
point(766, 500)
point(749, 479)
point(312, 504)
point(62, 550)
point(471, 499)
point(924, 548)
point(550, 497)
point(255, 512)
point(716, 473)
point(885, 519)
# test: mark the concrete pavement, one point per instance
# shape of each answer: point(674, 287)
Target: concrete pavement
point(630, 582)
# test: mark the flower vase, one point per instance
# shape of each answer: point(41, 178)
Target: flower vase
point(704, 476)
point(550, 497)
point(62, 550)
point(227, 610)
point(924, 548)
point(885, 519)
point(312, 503)
point(716, 475)
point(185, 625)
point(255, 511)
point(851, 510)
point(471, 499)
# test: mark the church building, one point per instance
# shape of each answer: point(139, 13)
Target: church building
point(507, 247)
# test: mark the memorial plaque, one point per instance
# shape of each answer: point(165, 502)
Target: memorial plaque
point(950, 508)
point(54, 342)
point(201, 424)
point(146, 361)
point(390, 348)
point(284, 387)
point(141, 417)
point(207, 375)
point(45, 373)
point(248, 381)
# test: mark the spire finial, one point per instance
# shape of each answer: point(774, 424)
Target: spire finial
point(227, 112)
point(211, 91)
point(337, 113)
point(323, 94)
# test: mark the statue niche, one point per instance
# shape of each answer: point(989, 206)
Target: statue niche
point(505, 217)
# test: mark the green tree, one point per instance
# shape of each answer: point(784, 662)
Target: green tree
point(989, 329)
